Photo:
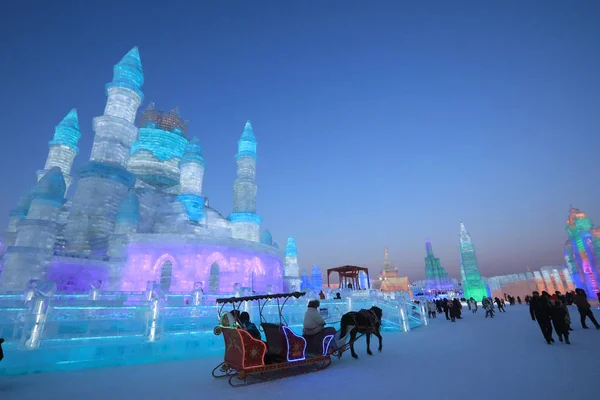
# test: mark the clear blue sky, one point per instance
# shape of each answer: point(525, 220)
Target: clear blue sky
point(380, 123)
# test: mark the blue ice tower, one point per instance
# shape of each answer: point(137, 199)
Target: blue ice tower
point(63, 147)
point(191, 176)
point(245, 223)
point(36, 235)
point(104, 181)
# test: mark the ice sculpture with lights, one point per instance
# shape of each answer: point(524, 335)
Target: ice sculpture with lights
point(473, 284)
point(436, 277)
point(139, 213)
point(581, 252)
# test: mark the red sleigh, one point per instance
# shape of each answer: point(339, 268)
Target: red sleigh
point(248, 360)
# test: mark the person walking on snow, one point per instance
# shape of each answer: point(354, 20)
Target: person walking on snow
point(559, 316)
point(539, 308)
point(584, 308)
point(500, 305)
point(488, 306)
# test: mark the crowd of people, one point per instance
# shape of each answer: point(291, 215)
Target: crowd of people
point(551, 311)
point(451, 308)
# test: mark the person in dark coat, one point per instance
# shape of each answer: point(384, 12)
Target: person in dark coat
point(249, 326)
point(1, 352)
point(559, 316)
point(500, 305)
point(584, 308)
point(539, 308)
point(519, 299)
point(446, 308)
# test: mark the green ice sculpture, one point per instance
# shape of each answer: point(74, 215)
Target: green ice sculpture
point(473, 284)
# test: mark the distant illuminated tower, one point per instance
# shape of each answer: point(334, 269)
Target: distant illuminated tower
point(436, 277)
point(245, 223)
point(190, 180)
point(316, 278)
point(582, 250)
point(390, 281)
point(473, 285)
point(389, 271)
point(291, 270)
point(63, 147)
point(104, 181)
point(36, 234)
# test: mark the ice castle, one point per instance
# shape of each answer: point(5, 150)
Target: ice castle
point(139, 215)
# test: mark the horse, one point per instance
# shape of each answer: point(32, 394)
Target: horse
point(364, 321)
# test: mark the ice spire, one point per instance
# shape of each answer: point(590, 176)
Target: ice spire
point(193, 153)
point(128, 73)
point(428, 248)
point(245, 223)
point(290, 247)
point(67, 132)
point(247, 143)
point(63, 147)
point(387, 265)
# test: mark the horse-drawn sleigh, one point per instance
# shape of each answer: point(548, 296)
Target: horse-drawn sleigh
point(249, 360)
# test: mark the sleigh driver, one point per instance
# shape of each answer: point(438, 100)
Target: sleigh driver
point(314, 330)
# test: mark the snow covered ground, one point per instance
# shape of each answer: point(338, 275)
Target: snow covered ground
point(501, 358)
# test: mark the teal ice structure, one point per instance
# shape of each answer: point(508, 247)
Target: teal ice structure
point(139, 213)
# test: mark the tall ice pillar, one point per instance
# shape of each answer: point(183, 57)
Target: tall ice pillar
point(104, 181)
point(291, 270)
point(245, 223)
point(473, 284)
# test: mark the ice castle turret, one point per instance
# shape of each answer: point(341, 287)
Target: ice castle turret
point(63, 147)
point(436, 277)
point(36, 234)
point(291, 270)
point(190, 180)
point(17, 214)
point(266, 238)
point(473, 285)
point(104, 181)
point(245, 223)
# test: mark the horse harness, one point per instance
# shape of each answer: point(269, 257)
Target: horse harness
point(371, 317)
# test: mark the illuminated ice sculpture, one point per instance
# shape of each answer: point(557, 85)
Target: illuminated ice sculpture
point(473, 284)
point(581, 252)
point(139, 216)
point(436, 277)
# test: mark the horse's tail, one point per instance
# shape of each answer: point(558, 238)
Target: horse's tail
point(344, 325)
